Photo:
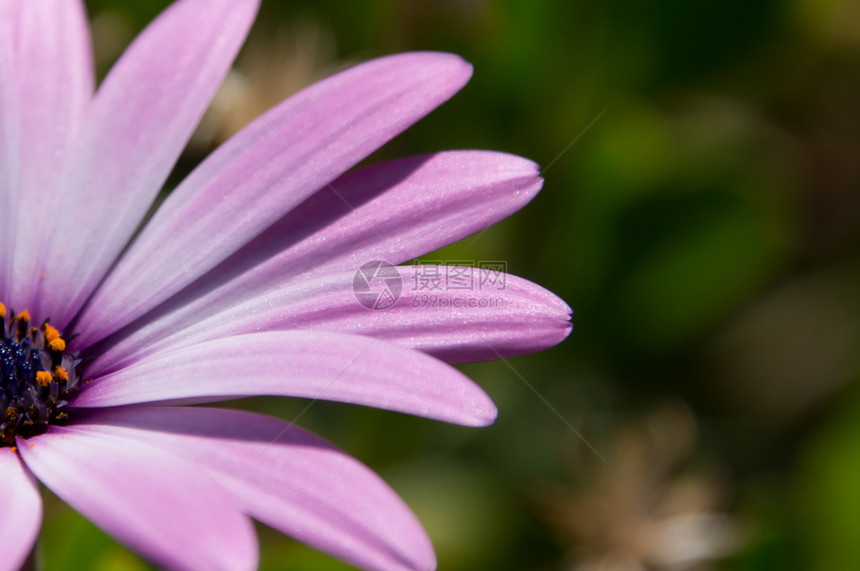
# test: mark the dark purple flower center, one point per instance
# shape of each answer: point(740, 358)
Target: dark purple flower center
point(38, 377)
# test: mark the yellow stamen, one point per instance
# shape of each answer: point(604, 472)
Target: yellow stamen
point(2, 311)
point(23, 320)
point(51, 333)
point(57, 345)
point(61, 374)
point(44, 378)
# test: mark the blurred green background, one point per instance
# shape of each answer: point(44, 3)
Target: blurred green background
point(704, 226)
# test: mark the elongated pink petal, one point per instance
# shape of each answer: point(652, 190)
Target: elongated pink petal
point(158, 503)
point(141, 118)
point(266, 170)
point(288, 479)
point(317, 365)
point(394, 211)
point(20, 510)
point(54, 80)
point(500, 315)
point(9, 146)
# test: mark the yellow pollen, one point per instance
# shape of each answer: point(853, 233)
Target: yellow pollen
point(24, 316)
point(51, 333)
point(57, 345)
point(44, 378)
point(14, 449)
point(61, 374)
point(2, 311)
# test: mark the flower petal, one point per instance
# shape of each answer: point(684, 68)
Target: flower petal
point(159, 504)
point(288, 479)
point(20, 510)
point(317, 365)
point(501, 315)
point(266, 170)
point(54, 80)
point(394, 211)
point(9, 147)
point(141, 118)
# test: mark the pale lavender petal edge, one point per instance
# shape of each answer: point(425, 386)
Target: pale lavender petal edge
point(54, 79)
point(140, 120)
point(288, 479)
point(9, 151)
point(20, 510)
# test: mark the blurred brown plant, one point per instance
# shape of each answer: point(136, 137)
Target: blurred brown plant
point(642, 509)
point(273, 65)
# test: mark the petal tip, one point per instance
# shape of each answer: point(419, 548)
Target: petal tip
point(483, 410)
point(487, 416)
point(444, 65)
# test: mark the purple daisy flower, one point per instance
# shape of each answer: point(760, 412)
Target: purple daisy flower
point(242, 283)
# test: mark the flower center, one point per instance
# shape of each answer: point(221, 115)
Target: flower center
point(37, 377)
